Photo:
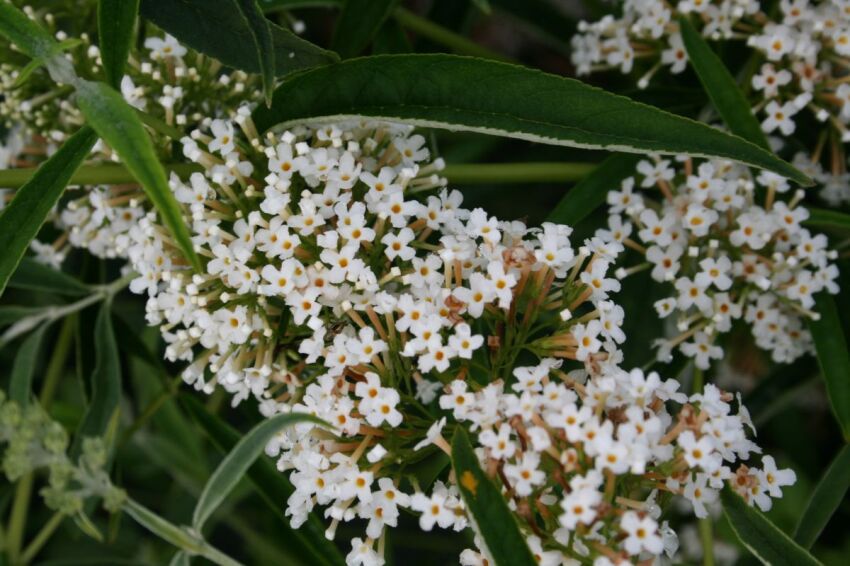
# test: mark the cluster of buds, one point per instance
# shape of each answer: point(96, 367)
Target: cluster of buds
point(805, 47)
point(34, 441)
point(731, 249)
point(341, 279)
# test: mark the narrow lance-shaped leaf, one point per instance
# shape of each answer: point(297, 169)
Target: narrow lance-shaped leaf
point(115, 22)
point(591, 192)
point(118, 125)
point(261, 34)
point(761, 537)
point(35, 42)
point(721, 86)
point(216, 28)
point(357, 24)
point(23, 368)
point(105, 380)
point(34, 276)
point(274, 487)
point(828, 495)
point(236, 463)
point(30, 38)
point(833, 358)
point(487, 508)
point(828, 219)
point(465, 93)
point(21, 220)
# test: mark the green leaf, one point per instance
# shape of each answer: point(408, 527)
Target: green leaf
point(273, 486)
point(23, 368)
point(216, 27)
point(236, 463)
point(22, 219)
point(180, 559)
point(487, 509)
point(14, 313)
point(485, 96)
point(391, 39)
point(105, 380)
point(483, 6)
point(828, 219)
point(27, 35)
point(828, 495)
point(34, 276)
point(761, 537)
point(35, 42)
point(115, 22)
point(721, 86)
point(119, 126)
point(261, 34)
point(188, 542)
point(357, 24)
point(591, 192)
point(833, 358)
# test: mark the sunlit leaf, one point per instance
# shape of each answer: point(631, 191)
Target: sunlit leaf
point(273, 486)
point(232, 469)
point(485, 96)
point(116, 122)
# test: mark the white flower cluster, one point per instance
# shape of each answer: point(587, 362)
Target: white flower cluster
point(805, 46)
point(171, 83)
point(342, 280)
point(731, 249)
point(585, 459)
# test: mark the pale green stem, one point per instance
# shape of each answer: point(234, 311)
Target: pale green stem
point(42, 537)
point(57, 362)
point(159, 126)
point(438, 34)
point(105, 174)
point(706, 533)
point(461, 173)
point(540, 172)
point(55, 313)
point(18, 518)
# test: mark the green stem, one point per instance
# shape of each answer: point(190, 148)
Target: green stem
point(148, 412)
point(18, 518)
point(101, 292)
point(57, 362)
point(105, 174)
point(699, 380)
point(540, 172)
point(159, 126)
point(42, 537)
point(438, 34)
point(707, 538)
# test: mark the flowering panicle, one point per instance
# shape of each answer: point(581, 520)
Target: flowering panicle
point(731, 250)
point(804, 47)
point(343, 280)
